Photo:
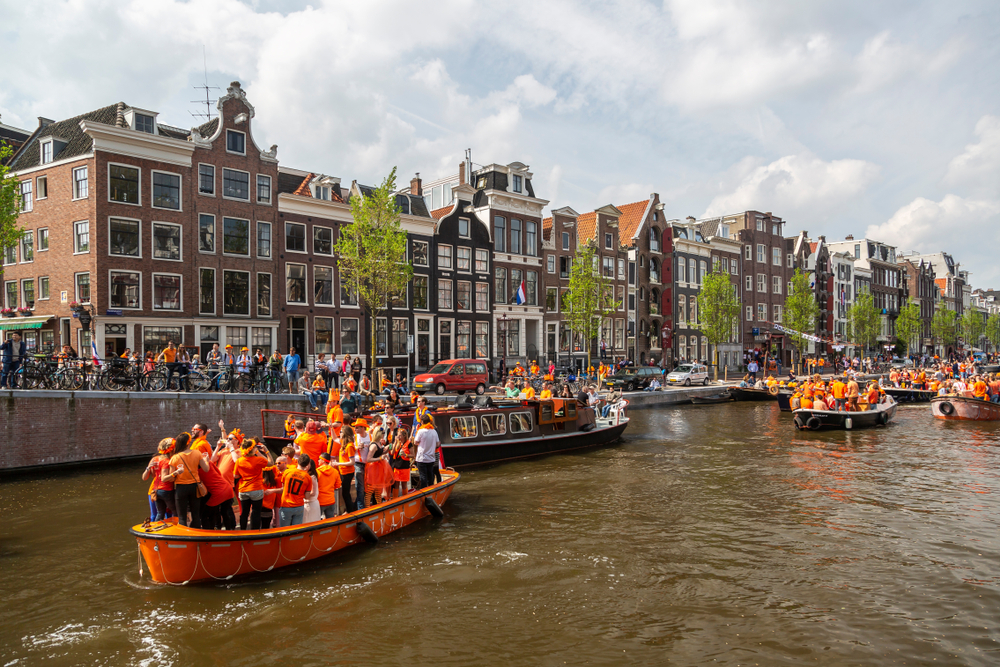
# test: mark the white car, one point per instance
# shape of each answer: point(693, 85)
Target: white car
point(688, 374)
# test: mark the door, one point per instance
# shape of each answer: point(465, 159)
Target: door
point(297, 337)
point(456, 378)
point(444, 339)
point(423, 343)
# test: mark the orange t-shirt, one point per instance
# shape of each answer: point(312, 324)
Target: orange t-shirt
point(191, 460)
point(979, 389)
point(295, 485)
point(346, 458)
point(201, 444)
point(250, 470)
point(312, 444)
point(227, 466)
point(839, 389)
point(329, 482)
point(169, 355)
point(335, 414)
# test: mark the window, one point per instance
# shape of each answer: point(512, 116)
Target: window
point(791, 261)
point(206, 291)
point(482, 260)
point(295, 283)
point(206, 233)
point(444, 294)
point(123, 184)
point(464, 295)
point(154, 339)
point(531, 288)
point(81, 190)
point(124, 289)
point(235, 237)
point(621, 298)
point(10, 255)
point(463, 428)
point(565, 265)
point(702, 271)
point(621, 269)
point(235, 292)
point(262, 339)
point(500, 285)
point(420, 292)
point(515, 284)
point(263, 189)
point(760, 224)
point(776, 256)
point(749, 283)
point(43, 288)
point(380, 335)
point(464, 337)
point(348, 336)
point(749, 313)
point(324, 335)
point(464, 259)
point(295, 237)
point(322, 241)
point(565, 240)
point(748, 252)
point(166, 241)
point(550, 263)
point(761, 312)
point(236, 336)
point(263, 295)
point(11, 288)
point(123, 237)
point(776, 229)
point(530, 238)
point(166, 191)
point(517, 183)
point(26, 202)
point(321, 192)
point(520, 422)
point(777, 312)
point(263, 239)
point(693, 304)
point(776, 284)
point(348, 295)
point(463, 228)
point(482, 340)
point(734, 268)
point(81, 236)
point(857, 251)
point(236, 184)
point(46, 152)
point(166, 292)
point(444, 257)
point(761, 282)
point(608, 266)
point(83, 287)
point(206, 179)
point(236, 142)
point(761, 253)
point(28, 246)
point(483, 297)
point(144, 123)
point(41, 187)
point(692, 272)
point(420, 253)
point(400, 332)
point(681, 268)
point(323, 286)
point(28, 292)
point(499, 233)
point(515, 236)
point(514, 337)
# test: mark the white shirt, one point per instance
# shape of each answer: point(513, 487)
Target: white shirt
point(427, 443)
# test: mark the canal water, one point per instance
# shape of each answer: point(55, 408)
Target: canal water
point(709, 535)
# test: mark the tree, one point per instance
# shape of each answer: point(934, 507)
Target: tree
point(908, 324)
point(993, 331)
point(10, 202)
point(972, 327)
point(801, 310)
point(943, 326)
point(371, 253)
point(863, 321)
point(590, 297)
point(718, 310)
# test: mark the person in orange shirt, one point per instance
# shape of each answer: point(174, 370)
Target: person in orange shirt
point(839, 391)
point(399, 459)
point(527, 390)
point(249, 470)
point(979, 389)
point(296, 483)
point(853, 394)
point(345, 461)
point(546, 390)
point(183, 472)
point(312, 442)
point(334, 412)
point(200, 434)
point(329, 487)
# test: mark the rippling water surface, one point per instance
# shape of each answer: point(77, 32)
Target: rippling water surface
point(710, 535)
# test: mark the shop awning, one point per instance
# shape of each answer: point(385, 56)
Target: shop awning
point(18, 323)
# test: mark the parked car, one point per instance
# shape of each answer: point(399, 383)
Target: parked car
point(899, 362)
point(688, 374)
point(630, 379)
point(458, 375)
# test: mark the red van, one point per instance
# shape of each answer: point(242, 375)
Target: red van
point(460, 375)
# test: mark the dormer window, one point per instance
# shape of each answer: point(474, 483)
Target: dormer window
point(47, 152)
point(724, 231)
point(236, 142)
point(481, 182)
point(144, 123)
point(321, 192)
point(517, 183)
point(463, 227)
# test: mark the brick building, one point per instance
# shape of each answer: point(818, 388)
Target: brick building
point(559, 239)
point(920, 288)
point(602, 230)
point(886, 284)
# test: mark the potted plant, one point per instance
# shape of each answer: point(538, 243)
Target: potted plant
point(24, 311)
point(75, 305)
point(7, 312)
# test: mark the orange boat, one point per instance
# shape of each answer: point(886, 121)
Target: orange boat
point(179, 555)
point(964, 408)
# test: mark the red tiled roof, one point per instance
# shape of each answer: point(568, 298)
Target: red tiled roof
point(586, 227)
point(630, 221)
point(546, 228)
point(812, 247)
point(303, 190)
point(439, 213)
point(942, 283)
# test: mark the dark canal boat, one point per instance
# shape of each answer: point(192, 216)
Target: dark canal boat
point(908, 395)
point(749, 394)
point(724, 397)
point(815, 420)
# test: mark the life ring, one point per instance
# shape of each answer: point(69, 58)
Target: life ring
point(798, 423)
point(433, 507)
point(773, 390)
point(946, 408)
point(883, 418)
point(813, 423)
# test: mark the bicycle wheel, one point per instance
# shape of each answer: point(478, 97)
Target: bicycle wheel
point(153, 381)
point(243, 383)
point(198, 382)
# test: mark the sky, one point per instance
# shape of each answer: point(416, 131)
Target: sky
point(843, 117)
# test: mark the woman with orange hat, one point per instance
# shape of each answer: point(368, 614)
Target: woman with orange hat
point(345, 458)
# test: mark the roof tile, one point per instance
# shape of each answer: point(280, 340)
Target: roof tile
point(631, 220)
point(586, 227)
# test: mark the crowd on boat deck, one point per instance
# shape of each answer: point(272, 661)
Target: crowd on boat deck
point(330, 468)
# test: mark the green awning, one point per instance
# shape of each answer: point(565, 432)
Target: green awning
point(18, 323)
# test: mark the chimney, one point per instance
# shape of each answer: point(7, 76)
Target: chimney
point(120, 115)
point(691, 218)
point(461, 173)
point(849, 237)
point(415, 186)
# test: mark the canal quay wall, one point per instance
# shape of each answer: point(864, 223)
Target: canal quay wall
point(42, 429)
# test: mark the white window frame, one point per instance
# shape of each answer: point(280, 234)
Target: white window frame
point(76, 182)
point(39, 297)
point(138, 186)
point(220, 239)
point(152, 293)
point(609, 240)
point(565, 240)
point(110, 271)
point(472, 260)
point(791, 260)
point(30, 199)
point(231, 152)
point(120, 217)
point(472, 296)
point(215, 235)
point(734, 266)
point(214, 188)
point(761, 253)
point(270, 189)
point(340, 334)
point(451, 255)
point(250, 184)
point(250, 292)
point(76, 287)
point(427, 254)
point(24, 300)
point(762, 283)
point(333, 285)
point(152, 240)
point(550, 263)
point(316, 252)
point(748, 252)
point(30, 246)
point(776, 284)
point(17, 286)
point(38, 239)
point(215, 289)
point(777, 312)
point(305, 237)
point(761, 312)
point(468, 223)
point(776, 256)
point(38, 189)
point(486, 255)
point(451, 289)
point(749, 313)
point(76, 251)
point(256, 293)
point(749, 283)
point(41, 151)
point(256, 239)
point(180, 191)
point(305, 280)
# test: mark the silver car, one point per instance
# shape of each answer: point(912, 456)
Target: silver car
point(688, 374)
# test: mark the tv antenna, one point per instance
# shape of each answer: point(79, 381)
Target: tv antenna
point(207, 115)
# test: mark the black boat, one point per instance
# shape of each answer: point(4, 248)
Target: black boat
point(815, 420)
point(785, 401)
point(724, 397)
point(749, 394)
point(908, 395)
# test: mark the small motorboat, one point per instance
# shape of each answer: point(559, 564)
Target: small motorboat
point(176, 554)
point(785, 401)
point(910, 395)
point(964, 408)
point(807, 419)
point(749, 394)
point(724, 397)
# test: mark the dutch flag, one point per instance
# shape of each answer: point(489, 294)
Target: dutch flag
point(93, 349)
point(519, 297)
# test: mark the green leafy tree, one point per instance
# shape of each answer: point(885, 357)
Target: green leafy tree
point(801, 311)
point(10, 202)
point(972, 327)
point(864, 321)
point(993, 331)
point(371, 253)
point(908, 325)
point(590, 298)
point(944, 326)
point(718, 310)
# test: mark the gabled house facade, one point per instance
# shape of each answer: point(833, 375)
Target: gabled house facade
point(601, 229)
point(559, 238)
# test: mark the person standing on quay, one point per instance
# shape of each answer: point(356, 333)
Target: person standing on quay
point(291, 364)
point(13, 353)
point(752, 369)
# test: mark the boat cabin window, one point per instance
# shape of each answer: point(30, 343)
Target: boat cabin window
point(520, 422)
point(463, 428)
point(494, 425)
point(545, 414)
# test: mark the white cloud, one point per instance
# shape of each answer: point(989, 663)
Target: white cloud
point(978, 167)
